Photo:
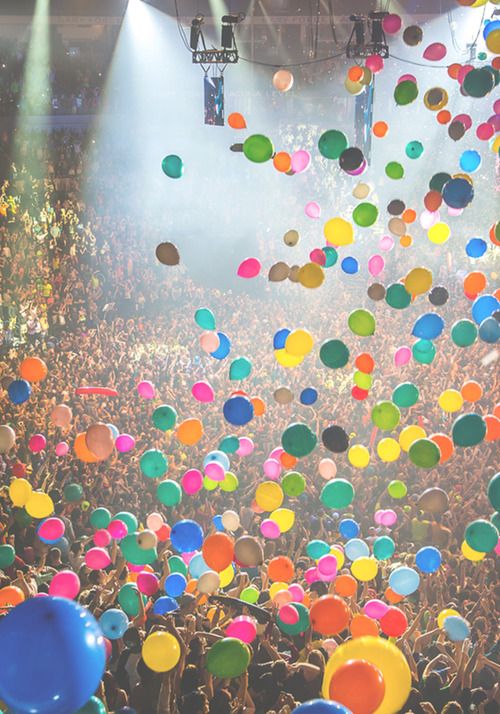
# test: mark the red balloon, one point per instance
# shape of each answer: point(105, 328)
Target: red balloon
point(394, 622)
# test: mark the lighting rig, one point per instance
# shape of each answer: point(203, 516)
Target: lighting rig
point(228, 54)
point(358, 45)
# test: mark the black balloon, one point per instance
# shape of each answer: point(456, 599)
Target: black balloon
point(236, 147)
point(438, 181)
point(413, 35)
point(456, 130)
point(438, 295)
point(335, 439)
point(351, 159)
point(396, 207)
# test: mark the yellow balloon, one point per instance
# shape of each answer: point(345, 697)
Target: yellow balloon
point(493, 42)
point(269, 495)
point(410, 434)
point(20, 491)
point(230, 482)
point(359, 456)
point(450, 400)
point(284, 517)
point(161, 651)
point(338, 231)
point(275, 588)
point(339, 554)
point(386, 657)
point(364, 569)
point(209, 484)
point(439, 233)
point(495, 144)
point(361, 190)
point(449, 612)
point(388, 450)
point(226, 576)
point(39, 505)
point(473, 555)
point(418, 281)
point(353, 87)
point(479, 3)
point(299, 343)
point(287, 360)
point(311, 275)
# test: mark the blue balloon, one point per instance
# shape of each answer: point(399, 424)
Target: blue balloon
point(458, 193)
point(197, 565)
point(476, 247)
point(19, 391)
point(321, 706)
point(428, 327)
point(456, 628)
point(483, 307)
point(114, 623)
point(470, 161)
point(404, 581)
point(217, 521)
point(220, 457)
point(350, 265)
point(175, 584)
point(490, 26)
point(356, 548)
point(224, 347)
point(238, 410)
point(114, 430)
point(489, 330)
point(308, 395)
point(428, 559)
point(279, 339)
point(52, 656)
point(348, 528)
point(186, 536)
point(164, 605)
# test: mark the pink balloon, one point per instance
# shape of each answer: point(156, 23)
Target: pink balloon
point(155, 521)
point(496, 106)
point(327, 565)
point(51, 529)
point(203, 392)
point(108, 647)
point(435, 52)
point(327, 469)
point(495, 121)
point(375, 63)
point(117, 529)
point(124, 443)
point(215, 471)
point(376, 264)
point(360, 170)
point(289, 614)
point(485, 131)
point(249, 268)
point(102, 538)
point(329, 645)
point(192, 482)
point(135, 568)
point(388, 518)
point(497, 548)
point(276, 453)
point(272, 469)
point(147, 583)
point(300, 161)
point(313, 209)
point(209, 342)
point(187, 557)
point(97, 559)
point(392, 23)
point(464, 119)
point(37, 443)
point(311, 575)
point(402, 356)
point(455, 211)
point(428, 219)
point(270, 529)
point(146, 390)
point(378, 516)
point(407, 78)
point(463, 72)
point(246, 446)
point(65, 583)
point(42, 595)
point(243, 628)
point(62, 448)
point(282, 597)
point(375, 609)
point(386, 243)
point(317, 256)
point(297, 592)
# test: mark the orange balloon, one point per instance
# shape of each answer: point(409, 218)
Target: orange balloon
point(218, 551)
point(474, 282)
point(433, 200)
point(132, 577)
point(280, 569)
point(236, 121)
point(392, 597)
point(471, 391)
point(443, 116)
point(362, 625)
point(409, 215)
point(82, 451)
point(492, 427)
point(287, 460)
point(493, 237)
point(445, 446)
point(259, 407)
point(10, 595)
point(33, 369)
point(346, 585)
point(380, 129)
point(329, 615)
point(355, 73)
point(191, 585)
point(358, 685)
point(282, 161)
point(405, 241)
point(190, 431)
point(454, 69)
point(365, 363)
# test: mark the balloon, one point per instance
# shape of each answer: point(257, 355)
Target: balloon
point(246, 446)
point(283, 80)
point(203, 392)
point(308, 396)
point(334, 354)
point(7, 556)
point(332, 143)
point(375, 609)
point(397, 296)
point(238, 410)
point(329, 615)
point(169, 492)
point(258, 148)
point(361, 322)
point(481, 536)
point(428, 559)
point(338, 232)
point(364, 568)
point(450, 400)
point(468, 430)
point(172, 166)
point(20, 491)
point(359, 685)
point(394, 622)
point(404, 580)
point(284, 517)
point(494, 491)
point(224, 347)
point(19, 391)
point(153, 463)
point(385, 415)
point(337, 493)
point(51, 529)
point(388, 450)
point(376, 265)
point(249, 268)
point(186, 536)
point(218, 551)
point(242, 628)
point(293, 484)
point(124, 443)
point(280, 569)
point(189, 431)
point(405, 93)
point(161, 651)
point(424, 453)
point(39, 505)
point(456, 628)
point(204, 318)
point(356, 548)
point(192, 481)
point(312, 209)
point(236, 121)
point(7, 438)
point(298, 440)
point(320, 706)
point(464, 333)
point(300, 161)
point(359, 456)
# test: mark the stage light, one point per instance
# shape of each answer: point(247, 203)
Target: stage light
point(194, 37)
point(227, 30)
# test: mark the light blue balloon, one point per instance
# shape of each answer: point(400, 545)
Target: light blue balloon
point(456, 628)
point(470, 161)
point(428, 326)
point(113, 623)
point(428, 559)
point(113, 430)
point(220, 457)
point(197, 566)
point(404, 581)
point(356, 548)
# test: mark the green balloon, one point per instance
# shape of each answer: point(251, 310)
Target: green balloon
point(100, 518)
point(405, 93)
point(229, 444)
point(481, 536)
point(438, 181)
point(169, 492)
point(464, 333)
point(240, 368)
point(164, 417)
point(468, 430)
point(494, 491)
point(361, 322)
point(93, 706)
point(480, 83)
point(397, 489)
point(405, 395)
point(495, 519)
point(153, 463)
point(172, 166)
point(204, 318)
point(394, 170)
point(397, 296)
point(128, 599)
point(293, 484)
point(423, 351)
point(414, 149)
point(298, 440)
point(177, 565)
point(362, 380)
point(302, 625)
point(72, 492)
point(250, 595)
point(331, 256)
point(258, 148)
point(337, 493)
point(129, 520)
point(7, 556)
point(332, 143)
point(228, 658)
point(334, 354)
point(424, 453)
point(386, 415)
point(135, 555)
point(230, 482)
point(383, 548)
point(365, 214)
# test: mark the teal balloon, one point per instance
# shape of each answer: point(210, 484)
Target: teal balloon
point(361, 322)
point(464, 333)
point(7, 556)
point(229, 444)
point(129, 519)
point(494, 491)
point(331, 256)
point(414, 149)
point(293, 484)
point(177, 565)
point(405, 93)
point(394, 170)
point(100, 518)
point(481, 536)
point(128, 599)
point(153, 463)
point(332, 143)
point(297, 628)
point(334, 354)
point(93, 706)
point(164, 417)
point(397, 296)
point(365, 214)
point(169, 492)
point(386, 415)
point(298, 440)
point(172, 166)
point(405, 395)
point(134, 554)
point(316, 548)
point(204, 318)
point(423, 351)
point(258, 148)
point(72, 492)
point(337, 493)
point(424, 453)
point(228, 658)
point(383, 548)
point(240, 368)
point(495, 519)
point(468, 430)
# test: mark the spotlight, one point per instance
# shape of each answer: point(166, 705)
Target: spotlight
point(194, 37)
point(227, 31)
point(358, 31)
point(377, 31)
